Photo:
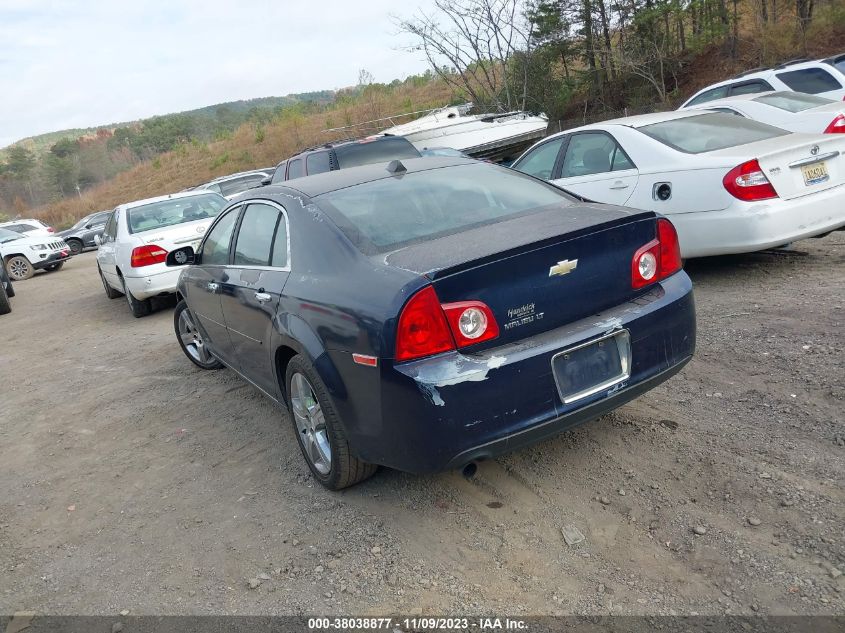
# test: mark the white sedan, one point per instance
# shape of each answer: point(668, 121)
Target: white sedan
point(729, 184)
point(138, 236)
point(793, 111)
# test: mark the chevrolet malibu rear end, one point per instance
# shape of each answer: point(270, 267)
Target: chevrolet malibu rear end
point(528, 313)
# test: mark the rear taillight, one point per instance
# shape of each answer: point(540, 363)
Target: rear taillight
point(837, 126)
point(748, 182)
point(147, 255)
point(426, 327)
point(659, 258)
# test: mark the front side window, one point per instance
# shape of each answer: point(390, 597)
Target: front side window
point(8, 236)
point(389, 213)
point(709, 132)
point(540, 161)
point(792, 101)
point(255, 236)
point(710, 95)
point(810, 80)
point(593, 153)
point(173, 211)
point(279, 174)
point(215, 249)
point(295, 169)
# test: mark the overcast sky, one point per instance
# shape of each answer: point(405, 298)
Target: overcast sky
point(80, 63)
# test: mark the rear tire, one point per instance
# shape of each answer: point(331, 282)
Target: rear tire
point(5, 306)
point(19, 268)
point(54, 267)
point(139, 308)
point(318, 428)
point(190, 339)
point(75, 246)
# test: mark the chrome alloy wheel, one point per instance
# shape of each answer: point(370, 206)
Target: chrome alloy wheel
point(192, 339)
point(311, 423)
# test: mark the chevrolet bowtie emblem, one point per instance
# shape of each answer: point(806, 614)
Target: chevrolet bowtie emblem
point(563, 268)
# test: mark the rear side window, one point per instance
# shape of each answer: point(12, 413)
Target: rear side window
point(318, 162)
point(750, 88)
point(709, 132)
point(792, 101)
point(810, 80)
point(17, 228)
point(382, 215)
point(710, 95)
point(381, 150)
point(255, 237)
point(839, 64)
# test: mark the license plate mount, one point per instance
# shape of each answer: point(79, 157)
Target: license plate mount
point(815, 173)
point(592, 367)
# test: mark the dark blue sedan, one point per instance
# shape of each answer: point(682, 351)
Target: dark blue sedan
point(429, 313)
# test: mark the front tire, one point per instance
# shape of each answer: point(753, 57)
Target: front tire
point(54, 267)
point(75, 246)
point(19, 268)
point(138, 307)
point(190, 339)
point(319, 432)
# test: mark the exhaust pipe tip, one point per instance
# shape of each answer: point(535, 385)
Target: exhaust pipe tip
point(469, 470)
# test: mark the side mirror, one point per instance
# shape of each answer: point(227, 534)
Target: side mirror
point(88, 226)
point(266, 181)
point(98, 240)
point(181, 256)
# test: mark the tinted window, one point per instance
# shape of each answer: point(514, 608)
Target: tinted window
point(709, 132)
point(381, 150)
point(793, 101)
point(215, 249)
point(318, 162)
point(839, 64)
point(18, 228)
point(280, 244)
point(157, 215)
point(385, 214)
point(593, 153)
point(238, 185)
point(295, 169)
point(750, 88)
point(710, 95)
point(541, 160)
point(255, 237)
point(809, 80)
point(279, 174)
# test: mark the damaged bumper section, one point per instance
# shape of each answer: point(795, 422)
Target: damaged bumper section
point(445, 411)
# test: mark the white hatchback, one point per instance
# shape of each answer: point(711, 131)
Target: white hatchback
point(729, 184)
point(138, 236)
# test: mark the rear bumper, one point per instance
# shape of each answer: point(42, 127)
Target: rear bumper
point(442, 412)
point(52, 258)
point(746, 227)
point(155, 283)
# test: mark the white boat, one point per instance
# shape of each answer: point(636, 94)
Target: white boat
point(490, 136)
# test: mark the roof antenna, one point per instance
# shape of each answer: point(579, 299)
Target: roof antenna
point(396, 167)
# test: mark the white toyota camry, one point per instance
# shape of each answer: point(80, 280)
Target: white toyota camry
point(729, 184)
point(138, 237)
point(793, 111)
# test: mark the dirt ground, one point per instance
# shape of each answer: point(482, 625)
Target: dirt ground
point(130, 480)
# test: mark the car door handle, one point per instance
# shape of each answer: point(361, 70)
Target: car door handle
point(619, 185)
point(212, 287)
point(262, 297)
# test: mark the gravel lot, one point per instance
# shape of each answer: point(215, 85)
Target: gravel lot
point(130, 480)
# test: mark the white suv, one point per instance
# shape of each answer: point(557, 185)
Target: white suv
point(23, 255)
point(30, 227)
point(825, 78)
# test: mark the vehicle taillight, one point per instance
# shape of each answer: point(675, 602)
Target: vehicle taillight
point(837, 126)
point(50, 229)
point(426, 327)
point(748, 182)
point(659, 258)
point(147, 255)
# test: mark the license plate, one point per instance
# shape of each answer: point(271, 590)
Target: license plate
point(815, 173)
point(592, 367)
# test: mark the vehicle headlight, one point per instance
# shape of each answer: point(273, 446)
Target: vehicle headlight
point(39, 247)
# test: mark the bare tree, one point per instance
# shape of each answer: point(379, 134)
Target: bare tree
point(469, 44)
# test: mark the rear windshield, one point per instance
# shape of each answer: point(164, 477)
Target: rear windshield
point(709, 132)
point(793, 101)
point(810, 80)
point(381, 150)
point(390, 213)
point(157, 215)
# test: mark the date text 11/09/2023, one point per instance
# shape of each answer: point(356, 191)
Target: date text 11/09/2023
point(417, 623)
